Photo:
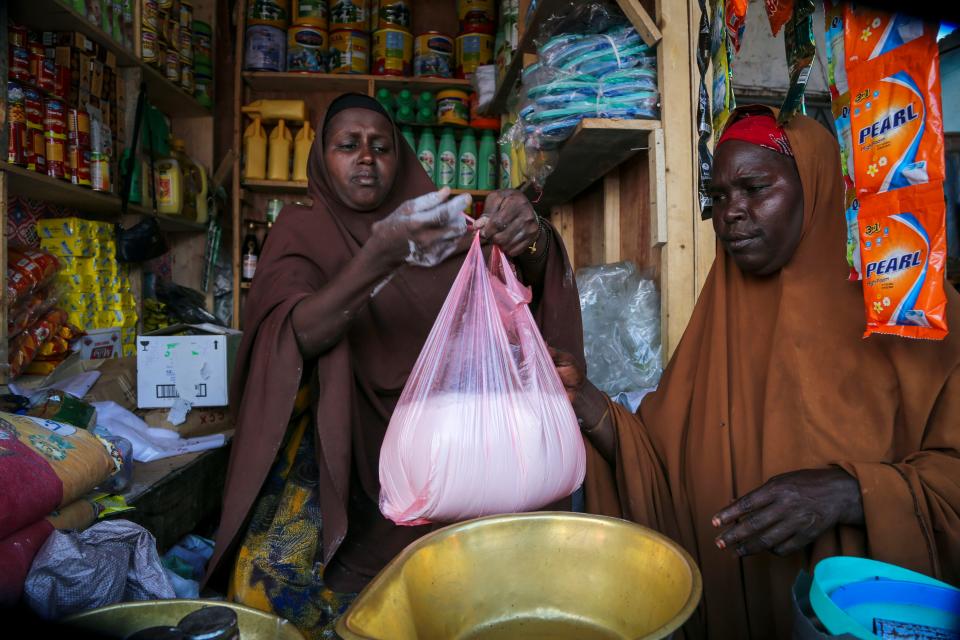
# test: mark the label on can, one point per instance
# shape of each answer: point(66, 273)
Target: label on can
point(186, 15)
point(433, 55)
point(473, 50)
point(150, 15)
point(392, 52)
point(272, 13)
point(173, 66)
point(476, 16)
point(349, 52)
point(36, 149)
point(186, 45)
point(186, 78)
point(306, 49)
point(266, 49)
point(310, 13)
point(148, 45)
point(19, 64)
point(452, 108)
point(352, 15)
point(394, 13)
point(448, 170)
point(99, 172)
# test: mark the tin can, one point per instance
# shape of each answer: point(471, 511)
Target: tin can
point(186, 78)
point(19, 64)
point(99, 171)
point(349, 52)
point(270, 13)
point(433, 55)
point(307, 49)
point(16, 125)
point(36, 148)
point(186, 14)
point(55, 147)
point(161, 61)
point(391, 13)
point(392, 52)
point(165, 5)
point(17, 35)
point(150, 15)
point(171, 31)
point(266, 49)
point(78, 127)
point(453, 108)
point(202, 43)
point(350, 15)
point(473, 50)
point(172, 66)
point(203, 90)
point(309, 13)
point(477, 16)
point(148, 46)
point(79, 163)
point(186, 46)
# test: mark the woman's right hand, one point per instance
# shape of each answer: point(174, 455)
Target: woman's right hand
point(570, 373)
point(424, 231)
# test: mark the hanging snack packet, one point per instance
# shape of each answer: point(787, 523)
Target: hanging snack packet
point(852, 211)
point(723, 99)
point(896, 119)
point(841, 122)
point(801, 50)
point(778, 12)
point(869, 33)
point(735, 17)
point(903, 244)
point(836, 60)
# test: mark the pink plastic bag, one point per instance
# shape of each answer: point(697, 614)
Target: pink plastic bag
point(483, 425)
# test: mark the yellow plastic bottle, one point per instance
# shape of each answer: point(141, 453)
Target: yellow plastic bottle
point(279, 158)
point(169, 186)
point(254, 151)
point(301, 152)
point(273, 110)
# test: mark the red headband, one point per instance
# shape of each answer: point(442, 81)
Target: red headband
point(760, 129)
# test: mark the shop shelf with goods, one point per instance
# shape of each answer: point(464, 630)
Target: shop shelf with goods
point(623, 188)
point(316, 88)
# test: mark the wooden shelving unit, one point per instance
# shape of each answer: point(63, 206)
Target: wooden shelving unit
point(274, 186)
point(38, 186)
point(334, 82)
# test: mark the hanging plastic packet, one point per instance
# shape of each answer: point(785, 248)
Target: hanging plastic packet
point(896, 119)
point(903, 244)
point(851, 213)
point(735, 17)
point(836, 59)
point(704, 130)
point(870, 33)
point(801, 50)
point(723, 100)
point(778, 12)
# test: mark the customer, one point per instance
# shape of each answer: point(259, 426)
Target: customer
point(778, 436)
point(345, 294)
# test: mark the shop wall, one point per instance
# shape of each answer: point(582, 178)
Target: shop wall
point(950, 82)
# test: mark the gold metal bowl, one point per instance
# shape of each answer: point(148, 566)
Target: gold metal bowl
point(120, 620)
point(545, 575)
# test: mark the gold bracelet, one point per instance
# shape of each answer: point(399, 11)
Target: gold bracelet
point(598, 423)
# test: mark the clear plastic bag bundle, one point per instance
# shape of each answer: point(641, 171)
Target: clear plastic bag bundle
point(483, 425)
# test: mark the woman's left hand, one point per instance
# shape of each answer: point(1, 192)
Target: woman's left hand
point(790, 511)
point(509, 221)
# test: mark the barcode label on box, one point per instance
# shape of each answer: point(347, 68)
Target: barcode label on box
point(166, 391)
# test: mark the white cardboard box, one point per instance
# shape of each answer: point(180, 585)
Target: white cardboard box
point(101, 344)
point(195, 367)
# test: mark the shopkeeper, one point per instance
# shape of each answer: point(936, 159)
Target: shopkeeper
point(345, 295)
point(778, 436)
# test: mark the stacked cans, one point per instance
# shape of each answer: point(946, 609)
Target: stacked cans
point(168, 41)
point(392, 40)
point(78, 146)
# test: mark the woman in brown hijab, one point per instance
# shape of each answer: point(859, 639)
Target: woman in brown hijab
point(344, 297)
point(778, 436)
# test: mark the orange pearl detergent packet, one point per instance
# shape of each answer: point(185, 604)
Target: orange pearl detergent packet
point(869, 33)
point(903, 248)
point(895, 119)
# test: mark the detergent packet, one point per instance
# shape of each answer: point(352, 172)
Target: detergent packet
point(896, 119)
point(833, 18)
point(778, 12)
point(903, 246)
point(723, 99)
point(801, 50)
point(851, 212)
point(870, 33)
point(735, 17)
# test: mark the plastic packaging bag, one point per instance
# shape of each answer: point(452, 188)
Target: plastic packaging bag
point(621, 328)
point(483, 425)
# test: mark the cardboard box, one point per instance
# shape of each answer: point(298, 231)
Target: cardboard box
point(117, 382)
point(192, 362)
point(199, 422)
point(101, 344)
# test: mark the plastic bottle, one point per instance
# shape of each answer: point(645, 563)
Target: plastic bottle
point(191, 179)
point(406, 114)
point(385, 98)
point(426, 115)
point(254, 151)
point(447, 159)
point(407, 134)
point(467, 161)
point(488, 164)
point(405, 99)
point(427, 100)
point(280, 143)
point(169, 186)
point(427, 153)
point(301, 151)
point(271, 110)
point(251, 255)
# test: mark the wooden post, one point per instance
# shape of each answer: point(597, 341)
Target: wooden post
point(658, 189)
point(236, 211)
point(611, 216)
point(562, 218)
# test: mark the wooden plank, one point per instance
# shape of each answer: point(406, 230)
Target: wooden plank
point(596, 146)
point(611, 216)
point(37, 186)
point(562, 218)
point(274, 186)
point(333, 82)
point(587, 215)
point(4, 205)
point(236, 210)
point(658, 190)
point(635, 216)
point(641, 21)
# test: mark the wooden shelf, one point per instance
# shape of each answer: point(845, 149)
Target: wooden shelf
point(54, 15)
point(37, 186)
point(169, 223)
point(293, 82)
point(274, 186)
point(596, 146)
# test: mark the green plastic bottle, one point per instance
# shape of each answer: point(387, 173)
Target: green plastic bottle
point(406, 115)
point(425, 115)
point(505, 158)
point(488, 163)
point(407, 134)
point(467, 161)
point(426, 100)
point(427, 153)
point(405, 99)
point(385, 98)
point(447, 159)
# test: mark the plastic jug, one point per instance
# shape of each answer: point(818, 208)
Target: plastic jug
point(447, 159)
point(467, 161)
point(254, 151)
point(192, 180)
point(279, 158)
point(274, 110)
point(169, 186)
point(487, 162)
point(427, 153)
point(203, 211)
point(301, 151)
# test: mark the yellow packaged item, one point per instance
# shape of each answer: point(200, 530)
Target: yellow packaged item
point(63, 228)
point(74, 246)
point(129, 350)
point(273, 110)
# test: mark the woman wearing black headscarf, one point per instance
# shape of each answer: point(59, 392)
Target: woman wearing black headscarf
point(345, 295)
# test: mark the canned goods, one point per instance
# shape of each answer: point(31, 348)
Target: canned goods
point(172, 66)
point(473, 50)
point(271, 13)
point(150, 15)
point(78, 127)
point(433, 55)
point(161, 61)
point(306, 49)
point(79, 164)
point(99, 171)
point(392, 52)
point(266, 49)
point(19, 64)
point(186, 45)
point(476, 16)
point(203, 90)
point(16, 125)
point(186, 15)
point(165, 5)
point(309, 13)
point(391, 13)
point(171, 31)
point(186, 78)
point(349, 52)
point(148, 46)
point(453, 108)
point(36, 149)
point(55, 148)
point(17, 35)
point(349, 15)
